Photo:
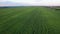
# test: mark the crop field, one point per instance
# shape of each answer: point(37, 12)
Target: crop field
point(29, 20)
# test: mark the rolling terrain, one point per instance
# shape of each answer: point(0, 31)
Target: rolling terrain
point(29, 20)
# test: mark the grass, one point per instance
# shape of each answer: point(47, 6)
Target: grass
point(29, 20)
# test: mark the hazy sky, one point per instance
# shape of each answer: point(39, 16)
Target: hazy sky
point(36, 2)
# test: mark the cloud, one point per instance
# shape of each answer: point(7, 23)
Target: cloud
point(37, 2)
point(3, 0)
point(9, 3)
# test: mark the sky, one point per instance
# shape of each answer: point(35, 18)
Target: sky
point(36, 2)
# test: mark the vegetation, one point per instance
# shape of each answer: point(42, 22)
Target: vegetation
point(29, 20)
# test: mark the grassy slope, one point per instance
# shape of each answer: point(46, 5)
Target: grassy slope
point(29, 20)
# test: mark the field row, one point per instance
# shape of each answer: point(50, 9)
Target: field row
point(36, 20)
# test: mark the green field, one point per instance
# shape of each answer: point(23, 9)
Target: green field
point(29, 20)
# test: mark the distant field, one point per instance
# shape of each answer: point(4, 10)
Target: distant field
point(29, 20)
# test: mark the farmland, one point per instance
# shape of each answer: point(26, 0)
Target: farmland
point(29, 20)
